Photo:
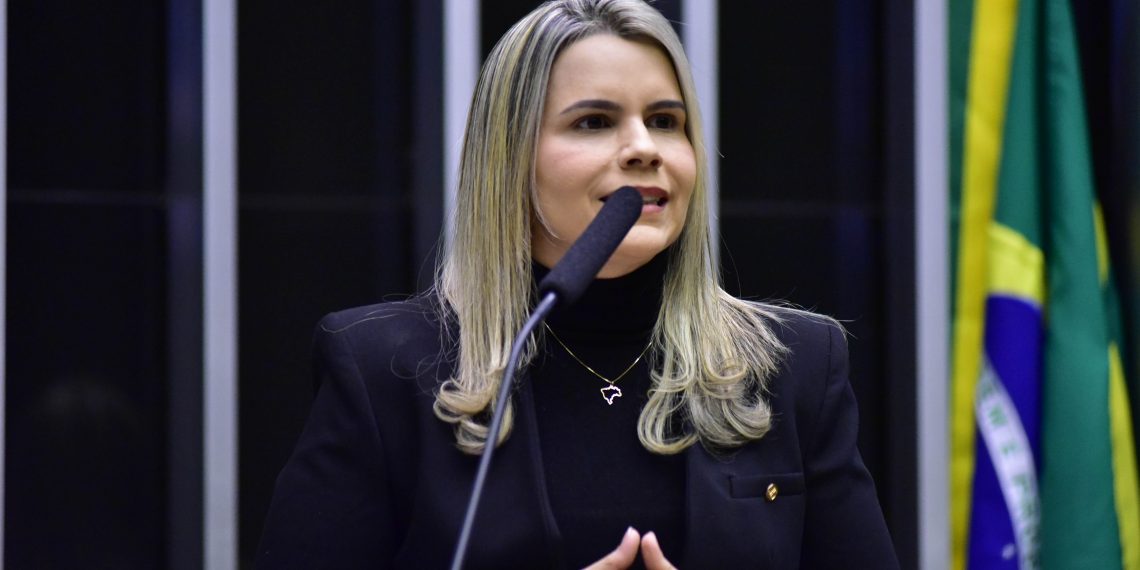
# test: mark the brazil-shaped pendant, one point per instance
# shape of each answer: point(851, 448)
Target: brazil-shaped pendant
point(610, 393)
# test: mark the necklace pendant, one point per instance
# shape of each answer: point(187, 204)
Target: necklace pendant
point(611, 393)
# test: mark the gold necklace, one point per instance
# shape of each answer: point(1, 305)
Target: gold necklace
point(610, 392)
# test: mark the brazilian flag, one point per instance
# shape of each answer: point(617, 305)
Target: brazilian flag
point(1043, 467)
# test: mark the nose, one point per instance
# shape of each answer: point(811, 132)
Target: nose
point(640, 149)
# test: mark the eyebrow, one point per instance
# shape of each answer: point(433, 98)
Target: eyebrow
point(666, 104)
point(607, 105)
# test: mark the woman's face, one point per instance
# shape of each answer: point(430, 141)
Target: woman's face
point(614, 117)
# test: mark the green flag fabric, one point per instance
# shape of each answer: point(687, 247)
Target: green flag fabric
point(1043, 471)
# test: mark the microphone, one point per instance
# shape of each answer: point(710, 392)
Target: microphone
point(565, 283)
point(582, 262)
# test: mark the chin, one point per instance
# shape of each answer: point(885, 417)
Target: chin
point(647, 242)
point(633, 252)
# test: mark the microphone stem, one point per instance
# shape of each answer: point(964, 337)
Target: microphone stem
point(544, 307)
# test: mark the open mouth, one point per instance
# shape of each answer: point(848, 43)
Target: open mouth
point(650, 197)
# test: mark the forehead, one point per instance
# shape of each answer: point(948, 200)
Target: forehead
point(605, 65)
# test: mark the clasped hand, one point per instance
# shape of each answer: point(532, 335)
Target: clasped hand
point(623, 556)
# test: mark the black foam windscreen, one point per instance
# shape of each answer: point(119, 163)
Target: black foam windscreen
point(582, 262)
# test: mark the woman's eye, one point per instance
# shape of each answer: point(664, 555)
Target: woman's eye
point(663, 122)
point(593, 122)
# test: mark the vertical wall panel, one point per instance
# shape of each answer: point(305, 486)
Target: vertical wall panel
point(339, 199)
point(431, 163)
point(184, 285)
point(3, 246)
point(816, 194)
point(86, 324)
point(86, 396)
point(898, 330)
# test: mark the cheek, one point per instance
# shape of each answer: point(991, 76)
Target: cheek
point(562, 181)
point(690, 162)
point(568, 179)
point(555, 172)
point(685, 170)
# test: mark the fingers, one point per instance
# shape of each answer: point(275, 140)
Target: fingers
point(652, 555)
point(622, 556)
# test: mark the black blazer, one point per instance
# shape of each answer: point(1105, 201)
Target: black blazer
point(376, 481)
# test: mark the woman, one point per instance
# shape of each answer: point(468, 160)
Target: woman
point(724, 429)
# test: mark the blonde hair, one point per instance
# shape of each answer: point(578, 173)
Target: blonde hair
point(713, 352)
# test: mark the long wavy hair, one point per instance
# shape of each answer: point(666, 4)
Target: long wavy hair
point(713, 353)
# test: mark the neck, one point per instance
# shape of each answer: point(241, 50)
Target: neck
point(622, 305)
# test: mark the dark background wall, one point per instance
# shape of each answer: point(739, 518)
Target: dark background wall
point(339, 204)
point(323, 201)
point(86, 429)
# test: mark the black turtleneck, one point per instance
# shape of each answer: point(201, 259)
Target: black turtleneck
point(599, 477)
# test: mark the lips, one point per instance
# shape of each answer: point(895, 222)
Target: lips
point(653, 196)
point(650, 196)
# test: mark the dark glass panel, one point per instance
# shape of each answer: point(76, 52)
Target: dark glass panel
point(778, 102)
point(86, 95)
point(86, 441)
point(299, 265)
point(86, 387)
point(323, 97)
point(805, 214)
point(326, 207)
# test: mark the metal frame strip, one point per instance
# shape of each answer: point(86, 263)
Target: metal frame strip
point(220, 283)
point(700, 36)
point(932, 282)
point(460, 72)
